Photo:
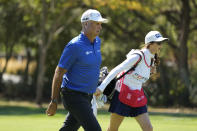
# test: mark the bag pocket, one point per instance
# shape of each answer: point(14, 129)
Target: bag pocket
point(133, 98)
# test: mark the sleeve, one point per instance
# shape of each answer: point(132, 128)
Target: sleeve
point(125, 65)
point(68, 57)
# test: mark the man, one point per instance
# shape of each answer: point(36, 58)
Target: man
point(77, 73)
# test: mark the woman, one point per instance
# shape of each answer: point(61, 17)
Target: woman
point(129, 99)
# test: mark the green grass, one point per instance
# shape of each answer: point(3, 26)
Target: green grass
point(30, 118)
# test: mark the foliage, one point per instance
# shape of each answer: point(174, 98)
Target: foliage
point(44, 27)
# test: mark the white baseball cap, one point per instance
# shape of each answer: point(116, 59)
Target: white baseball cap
point(93, 15)
point(154, 36)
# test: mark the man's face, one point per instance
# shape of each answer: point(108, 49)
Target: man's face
point(93, 28)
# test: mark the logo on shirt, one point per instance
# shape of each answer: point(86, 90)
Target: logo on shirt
point(139, 77)
point(88, 52)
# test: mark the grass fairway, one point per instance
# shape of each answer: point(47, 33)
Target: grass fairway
point(25, 117)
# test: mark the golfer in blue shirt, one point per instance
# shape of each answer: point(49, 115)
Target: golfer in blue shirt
point(77, 74)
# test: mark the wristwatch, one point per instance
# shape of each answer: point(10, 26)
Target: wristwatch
point(54, 101)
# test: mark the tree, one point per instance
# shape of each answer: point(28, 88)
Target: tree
point(180, 21)
point(48, 25)
point(12, 26)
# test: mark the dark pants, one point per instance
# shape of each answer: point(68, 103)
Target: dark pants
point(80, 111)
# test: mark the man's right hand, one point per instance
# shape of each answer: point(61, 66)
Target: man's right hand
point(51, 110)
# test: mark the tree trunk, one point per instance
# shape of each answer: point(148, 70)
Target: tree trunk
point(26, 73)
point(44, 44)
point(182, 39)
point(42, 56)
point(182, 53)
point(40, 77)
point(9, 52)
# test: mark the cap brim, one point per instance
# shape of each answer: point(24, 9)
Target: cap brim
point(161, 39)
point(102, 20)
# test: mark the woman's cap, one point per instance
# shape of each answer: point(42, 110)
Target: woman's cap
point(93, 15)
point(154, 36)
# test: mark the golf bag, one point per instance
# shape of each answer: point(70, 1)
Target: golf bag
point(110, 88)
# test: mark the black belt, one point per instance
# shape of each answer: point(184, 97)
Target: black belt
point(65, 89)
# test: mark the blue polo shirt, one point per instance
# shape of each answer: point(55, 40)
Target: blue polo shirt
point(82, 60)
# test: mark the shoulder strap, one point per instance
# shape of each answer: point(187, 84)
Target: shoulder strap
point(133, 67)
point(151, 63)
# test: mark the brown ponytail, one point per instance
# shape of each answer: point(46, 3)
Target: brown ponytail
point(156, 60)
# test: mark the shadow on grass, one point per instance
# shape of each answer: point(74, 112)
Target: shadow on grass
point(20, 110)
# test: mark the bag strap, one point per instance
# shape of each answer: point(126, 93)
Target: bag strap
point(133, 67)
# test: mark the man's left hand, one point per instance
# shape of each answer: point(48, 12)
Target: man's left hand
point(51, 110)
point(98, 92)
